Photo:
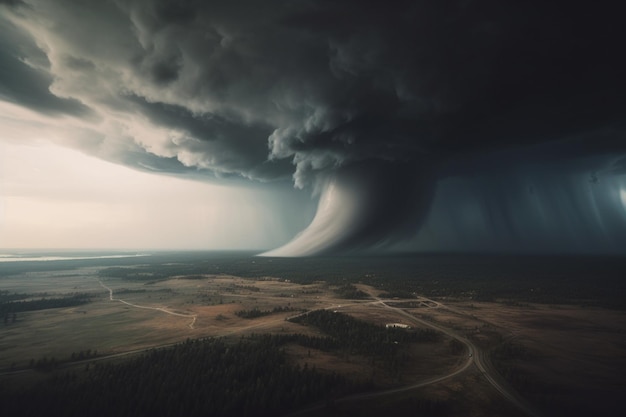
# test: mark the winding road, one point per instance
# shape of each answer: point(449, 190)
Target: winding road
point(162, 309)
point(475, 355)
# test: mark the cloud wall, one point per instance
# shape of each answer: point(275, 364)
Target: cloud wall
point(360, 103)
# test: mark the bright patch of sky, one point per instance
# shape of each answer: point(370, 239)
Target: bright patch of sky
point(54, 197)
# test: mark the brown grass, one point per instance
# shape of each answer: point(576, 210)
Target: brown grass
point(576, 356)
point(578, 352)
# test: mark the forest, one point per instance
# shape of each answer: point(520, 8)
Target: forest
point(388, 347)
point(256, 312)
point(229, 377)
point(207, 377)
point(251, 376)
point(361, 337)
point(17, 303)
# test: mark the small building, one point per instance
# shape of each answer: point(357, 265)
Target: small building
point(397, 326)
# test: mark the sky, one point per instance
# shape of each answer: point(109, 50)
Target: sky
point(311, 127)
point(54, 197)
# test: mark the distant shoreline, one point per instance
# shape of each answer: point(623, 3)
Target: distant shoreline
point(47, 258)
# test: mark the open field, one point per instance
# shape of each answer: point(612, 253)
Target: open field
point(112, 327)
point(571, 356)
point(564, 359)
point(467, 396)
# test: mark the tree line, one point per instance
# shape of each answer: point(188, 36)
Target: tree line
point(204, 377)
point(18, 306)
point(585, 280)
point(350, 292)
point(208, 377)
point(359, 336)
point(387, 346)
point(256, 312)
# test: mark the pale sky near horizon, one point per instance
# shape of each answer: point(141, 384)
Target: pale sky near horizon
point(54, 197)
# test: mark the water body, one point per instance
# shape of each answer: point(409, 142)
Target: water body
point(44, 257)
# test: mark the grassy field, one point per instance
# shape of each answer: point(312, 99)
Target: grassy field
point(111, 326)
point(567, 359)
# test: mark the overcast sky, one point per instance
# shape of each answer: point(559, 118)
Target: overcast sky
point(323, 126)
point(54, 197)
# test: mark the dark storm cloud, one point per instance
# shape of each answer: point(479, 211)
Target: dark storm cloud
point(236, 147)
point(25, 78)
point(390, 203)
point(323, 89)
point(531, 206)
point(618, 166)
point(12, 3)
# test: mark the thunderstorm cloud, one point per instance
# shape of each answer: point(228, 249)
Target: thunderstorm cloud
point(370, 106)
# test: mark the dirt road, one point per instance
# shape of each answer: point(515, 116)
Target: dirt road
point(475, 355)
point(162, 309)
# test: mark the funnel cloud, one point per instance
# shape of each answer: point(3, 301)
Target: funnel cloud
point(368, 107)
point(364, 207)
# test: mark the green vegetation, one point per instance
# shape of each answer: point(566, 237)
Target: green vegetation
point(400, 293)
point(139, 273)
point(15, 303)
point(359, 336)
point(350, 292)
point(132, 291)
point(255, 312)
point(582, 280)
point(251, 377)
point(352, 336)
point(196, 378)
point(155, 383)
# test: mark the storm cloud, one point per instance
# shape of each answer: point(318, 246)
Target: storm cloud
point(366, 105)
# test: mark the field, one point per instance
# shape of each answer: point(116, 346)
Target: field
point(551, 358)
point(113, 327)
